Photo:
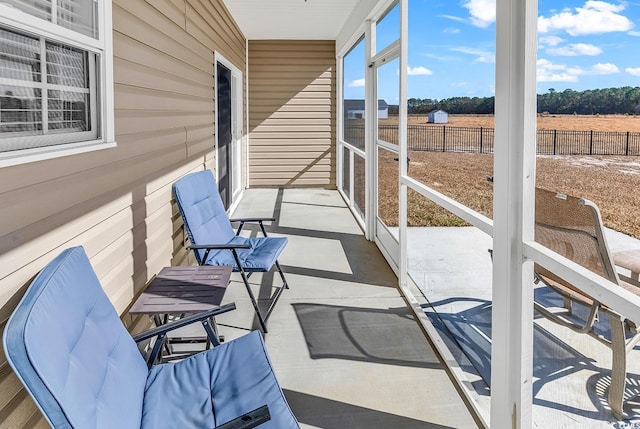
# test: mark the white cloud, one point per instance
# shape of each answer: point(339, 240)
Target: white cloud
point(453, 18)
point(459, 84)
point(489, 59)
point(634, 33)
point(596, 69)
point(575, 49)
point(575, 71)
point(451, 30)
point(551, 40)
point(595, 17)
point(483, 12)
point(557, 77)
point(604, 68)
point(634, 71)
point(482, 56)
point(356, 83)
point(548, 72)
point(418, 71)
point(467, 50)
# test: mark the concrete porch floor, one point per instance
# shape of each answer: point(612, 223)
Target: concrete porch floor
point(349, 354)
point(346, 350)
point(453, 270)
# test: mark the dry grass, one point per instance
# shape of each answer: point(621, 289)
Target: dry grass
point(611, 182)
point(621, 123)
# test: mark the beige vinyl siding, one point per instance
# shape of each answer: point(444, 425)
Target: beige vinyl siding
point(292, 114)
point(117, 203)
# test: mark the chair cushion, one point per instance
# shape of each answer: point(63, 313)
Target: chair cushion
point(260, 257)
point(216, 386)
point(203, 213)
point(80, 349)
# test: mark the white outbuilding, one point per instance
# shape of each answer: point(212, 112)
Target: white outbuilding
point(438, 117)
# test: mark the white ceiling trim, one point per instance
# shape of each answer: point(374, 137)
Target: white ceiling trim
point(291, 19)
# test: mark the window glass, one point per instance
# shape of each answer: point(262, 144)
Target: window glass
point(77, 15)
point(359, 185)
point(450, 89)
point(55, 60)
point(388, 179)
point(388, 28)
point(586, 209)
point(353, 102)
point(450, 106)
point(388, 91)
point(67, 111)
point(346, 171)
point(20, 112)
point(33, 106)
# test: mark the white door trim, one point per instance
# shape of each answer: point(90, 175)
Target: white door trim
point(237, 131)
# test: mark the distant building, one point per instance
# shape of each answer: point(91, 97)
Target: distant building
point(438, 117)
point(354, 109)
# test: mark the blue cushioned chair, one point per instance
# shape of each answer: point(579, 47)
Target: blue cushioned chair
point(70, 349)
point(214, 241)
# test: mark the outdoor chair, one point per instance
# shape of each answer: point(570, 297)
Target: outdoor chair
point(215, 243)
point(572, 227)
point(71, 351)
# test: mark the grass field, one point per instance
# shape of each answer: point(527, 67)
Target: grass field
point(621, 123)
point(613, 183)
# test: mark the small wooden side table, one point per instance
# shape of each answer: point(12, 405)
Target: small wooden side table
point(183, 290)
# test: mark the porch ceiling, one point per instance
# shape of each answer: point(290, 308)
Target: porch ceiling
point(291, 19)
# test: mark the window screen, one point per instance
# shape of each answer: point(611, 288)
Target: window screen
point(33, 103)
point(76, 15)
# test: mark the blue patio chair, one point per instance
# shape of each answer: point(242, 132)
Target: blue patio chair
point(70, 349)
point(215, 243)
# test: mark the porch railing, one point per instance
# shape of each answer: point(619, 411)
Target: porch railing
point(480, 140)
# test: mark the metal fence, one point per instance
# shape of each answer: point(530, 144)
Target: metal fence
point(480, 140)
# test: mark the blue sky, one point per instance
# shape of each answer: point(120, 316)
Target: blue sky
point(581, 45)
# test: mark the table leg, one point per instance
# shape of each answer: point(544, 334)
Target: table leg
point(163, 321)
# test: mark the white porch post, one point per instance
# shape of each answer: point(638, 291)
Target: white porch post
point(340, 125)
point(514, 182)
point(402, 137)
point(370, 131)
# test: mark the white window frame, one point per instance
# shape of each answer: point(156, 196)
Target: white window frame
point(15, 19)
point(341, 142)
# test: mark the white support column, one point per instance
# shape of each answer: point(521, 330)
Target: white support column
point(245, 126)
point(514, 175)
point(340, 124)
point(370, 130)
point(352, 187)
point(402, 137)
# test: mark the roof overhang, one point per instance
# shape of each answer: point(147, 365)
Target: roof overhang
point(291, 19)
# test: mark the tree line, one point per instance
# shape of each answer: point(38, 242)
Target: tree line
point(590, 102)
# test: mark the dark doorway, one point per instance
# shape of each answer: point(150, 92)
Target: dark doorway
point(223, 91)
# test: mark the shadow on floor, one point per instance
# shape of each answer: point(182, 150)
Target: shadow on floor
point(364, 258)
point(329, 414)
point(470, 332)
point(387, 336)
point(366, 263)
